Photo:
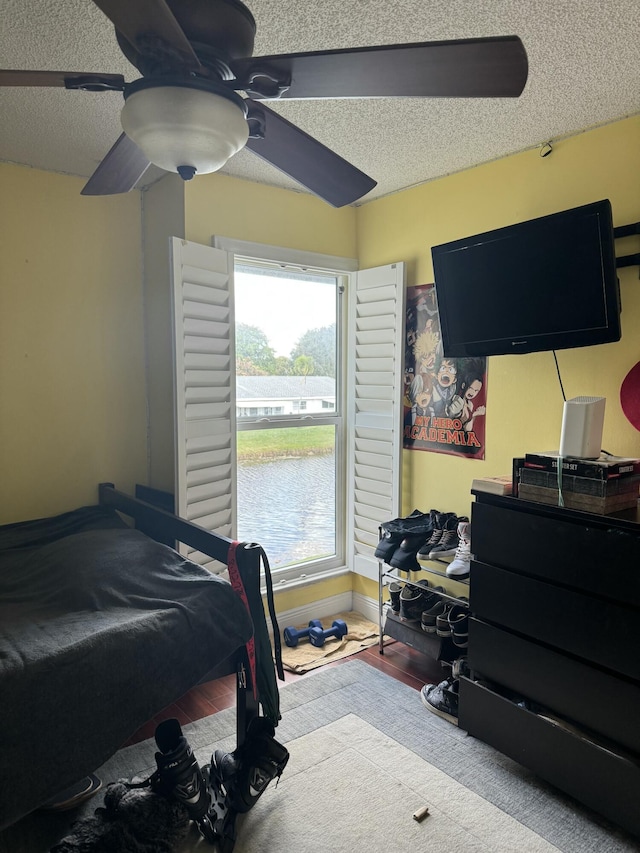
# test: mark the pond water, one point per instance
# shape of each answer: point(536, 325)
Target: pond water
point(288, 507)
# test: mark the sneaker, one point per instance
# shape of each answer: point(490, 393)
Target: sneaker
point(395, 589)
point(460, 635)
point(459, 567)
point(459, 623)
point(439, 521)
point(412, 601)
point(449, 541)
point(443, 629)
point(442, 699)
point(460, 666)
point(245, 773)
point(73, 795)
point(410, 604)
point(428, 618)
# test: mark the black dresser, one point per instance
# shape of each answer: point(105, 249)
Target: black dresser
point(554, 647)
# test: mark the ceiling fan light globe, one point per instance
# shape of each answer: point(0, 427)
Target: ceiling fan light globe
point(181, 126)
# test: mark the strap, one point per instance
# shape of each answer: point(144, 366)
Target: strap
point(238, 587)
point(277, 642)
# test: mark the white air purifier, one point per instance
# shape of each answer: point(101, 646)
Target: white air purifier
point(582, 424)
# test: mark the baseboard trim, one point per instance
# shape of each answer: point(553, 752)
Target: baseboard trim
point(324, 607)
point(365, 605)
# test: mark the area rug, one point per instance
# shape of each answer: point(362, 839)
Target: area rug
point(365, 756)
point(361, 633)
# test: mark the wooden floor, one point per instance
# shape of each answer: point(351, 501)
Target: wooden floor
point(399, 661)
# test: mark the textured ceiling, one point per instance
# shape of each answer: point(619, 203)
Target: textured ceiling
point(584, 71)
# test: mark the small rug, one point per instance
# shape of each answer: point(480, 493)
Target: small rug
point(361, 633)
point(365, 755)
point(351, 788)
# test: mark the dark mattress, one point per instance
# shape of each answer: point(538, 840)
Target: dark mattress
point(100, 629)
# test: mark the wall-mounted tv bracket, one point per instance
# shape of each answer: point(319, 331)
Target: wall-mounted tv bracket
point(627, 231)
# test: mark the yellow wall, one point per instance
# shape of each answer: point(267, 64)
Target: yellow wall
point(227, 207)
point(524, 411)
point(72, 407)
point(72, 326)
point(162, 218)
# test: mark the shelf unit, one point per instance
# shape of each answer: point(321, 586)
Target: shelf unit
point(408, 632)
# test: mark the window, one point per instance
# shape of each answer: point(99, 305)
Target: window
point(352, 421)
point(290, 422)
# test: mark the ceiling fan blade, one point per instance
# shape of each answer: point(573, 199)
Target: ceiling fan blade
point(67, 79)
point(468, 68)
point(307, 161)
point(142, 18)
point(120, 170)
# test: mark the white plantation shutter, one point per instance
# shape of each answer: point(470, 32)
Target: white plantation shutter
point(204, 389)
point(375, 382)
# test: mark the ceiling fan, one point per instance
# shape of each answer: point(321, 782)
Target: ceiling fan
point(201, 96)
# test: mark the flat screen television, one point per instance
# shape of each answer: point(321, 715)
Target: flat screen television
point(545, 284)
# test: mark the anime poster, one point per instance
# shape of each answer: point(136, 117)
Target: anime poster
point(444, 398)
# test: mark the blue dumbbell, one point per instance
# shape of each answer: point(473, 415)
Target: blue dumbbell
point(292, 636)
point(317, 636)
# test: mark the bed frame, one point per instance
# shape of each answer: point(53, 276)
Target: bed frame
point(166, 527)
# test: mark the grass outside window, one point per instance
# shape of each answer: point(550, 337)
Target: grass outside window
point(268, 444)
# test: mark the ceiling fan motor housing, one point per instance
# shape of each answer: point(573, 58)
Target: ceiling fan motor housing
point(185, 125)
point(216, 29)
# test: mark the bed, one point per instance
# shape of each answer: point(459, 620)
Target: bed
point(103, 623)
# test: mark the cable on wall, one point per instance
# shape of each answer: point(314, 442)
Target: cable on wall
point(564, 397)
point(559, 470)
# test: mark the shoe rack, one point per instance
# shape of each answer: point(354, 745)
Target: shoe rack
point(410, 633)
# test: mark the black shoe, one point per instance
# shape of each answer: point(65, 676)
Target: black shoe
point(245, 773)
point(410, 603)
point(459, 624)
point(439, 520)
point(406, 561)
point(179, 775)
point(394, 596)
point(73, 795)
point(449, 541)
point(442, 699)
point(387, 545)
point(236, 780)
point(430, 598)
point(429, 615)
point(460, 666)
point(443, 628)
point(412, 600)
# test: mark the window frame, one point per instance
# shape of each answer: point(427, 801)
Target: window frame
point(342, 268)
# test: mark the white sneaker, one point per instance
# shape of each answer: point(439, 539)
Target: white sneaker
point(459, 567)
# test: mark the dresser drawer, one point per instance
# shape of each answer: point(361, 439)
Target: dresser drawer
point(585, 694)
point(590, 555)
point(598, 631)
point(607, 781)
